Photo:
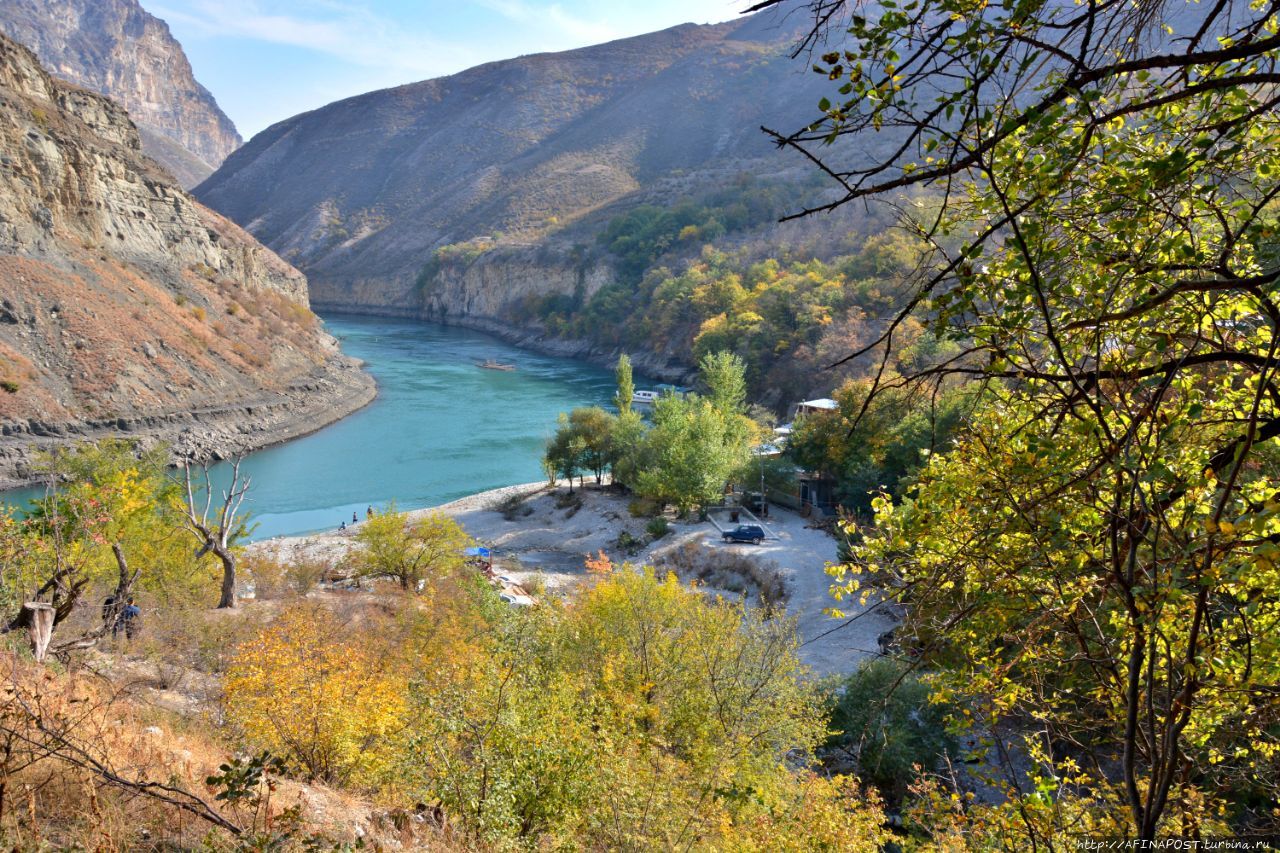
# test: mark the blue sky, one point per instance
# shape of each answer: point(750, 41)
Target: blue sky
point(266, 60)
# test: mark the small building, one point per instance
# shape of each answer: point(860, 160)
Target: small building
point(813, 407)
point(817, 493)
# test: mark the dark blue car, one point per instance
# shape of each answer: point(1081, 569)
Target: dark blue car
point(752, 533)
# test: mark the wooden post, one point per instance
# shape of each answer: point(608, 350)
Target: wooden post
point(38, 617)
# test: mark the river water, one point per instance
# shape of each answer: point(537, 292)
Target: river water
point(441, 427)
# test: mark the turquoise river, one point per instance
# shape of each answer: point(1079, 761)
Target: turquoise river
point(441, 428)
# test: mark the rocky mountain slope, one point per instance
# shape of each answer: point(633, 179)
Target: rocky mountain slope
point(127, 306)
point(466, 196)
point(116, 48)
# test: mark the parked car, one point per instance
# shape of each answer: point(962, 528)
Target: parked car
point(754, 502)
point(752, 533)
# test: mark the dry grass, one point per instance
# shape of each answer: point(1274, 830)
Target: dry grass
point(85, 766)
point(275, 576)
point(728, 569)
point(63, 738)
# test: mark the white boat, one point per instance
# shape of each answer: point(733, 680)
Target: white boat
point(644, 397)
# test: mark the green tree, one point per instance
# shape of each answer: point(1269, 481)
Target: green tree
point(877, 442)
point(626, 384)
point(724, 374)
point(583, 441)
point(881, 717)
point(413, 551)
point(1096, 554)
point(628, 448)
point(691, 452)
point(594, 427)
point(565, 451)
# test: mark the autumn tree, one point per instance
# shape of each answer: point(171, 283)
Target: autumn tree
point(647, 716)
point(319, 693)
point(412, 551)
point(107, 523)
point(1093, 558)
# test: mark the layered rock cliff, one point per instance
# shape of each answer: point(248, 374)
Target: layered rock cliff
point(116, 48)
point(127, 306)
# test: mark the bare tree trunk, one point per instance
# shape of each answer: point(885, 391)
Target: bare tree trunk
point(39, 620)
point(228, 598)
point(216, 531)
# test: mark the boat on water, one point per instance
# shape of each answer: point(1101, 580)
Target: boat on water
point(490, 364)
point(648, 398)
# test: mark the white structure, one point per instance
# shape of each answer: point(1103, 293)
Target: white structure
point(813, 407)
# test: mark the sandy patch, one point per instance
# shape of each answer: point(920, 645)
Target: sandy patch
point(543, 541)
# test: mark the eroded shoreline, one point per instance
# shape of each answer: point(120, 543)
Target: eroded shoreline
point(332, 392)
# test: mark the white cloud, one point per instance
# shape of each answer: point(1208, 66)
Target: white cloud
point(351, 33)
point(573, 28)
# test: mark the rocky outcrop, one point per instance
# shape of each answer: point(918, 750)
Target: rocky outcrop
point(116, 48)
point(126, 305)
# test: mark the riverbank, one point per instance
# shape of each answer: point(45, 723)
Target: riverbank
point(541, 535)
point(647, 363)
point(328, 394)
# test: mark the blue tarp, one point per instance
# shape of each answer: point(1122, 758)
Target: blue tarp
point(478, 552)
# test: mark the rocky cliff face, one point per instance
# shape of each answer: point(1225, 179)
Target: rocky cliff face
point(116, 48)
point(492, 293)
point(125, 305)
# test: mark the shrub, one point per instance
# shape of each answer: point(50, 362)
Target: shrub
point(267, 572)
point(884, 721)
point(643, 508)
point(628, 544)
point(729, 570)
point(10, 386)
point(304, 573)
point(569, 500)
point(317, 693)
point(657, 527)
point(513, 506)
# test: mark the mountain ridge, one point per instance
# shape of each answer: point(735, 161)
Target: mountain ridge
point(118, 49)
point(533, 151)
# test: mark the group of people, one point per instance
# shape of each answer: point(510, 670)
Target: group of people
point(355, 519)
